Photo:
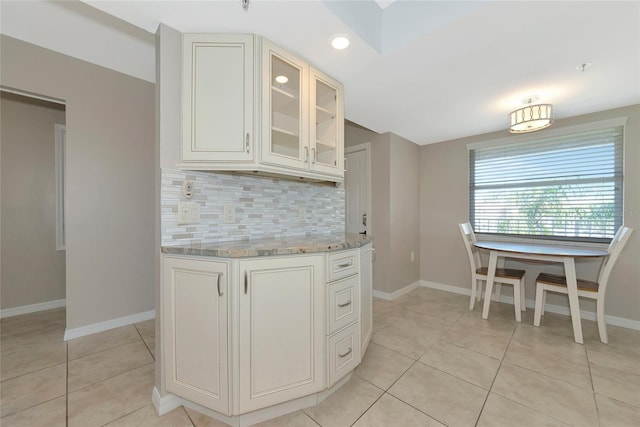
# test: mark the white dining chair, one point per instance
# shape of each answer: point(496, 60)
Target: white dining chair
point(507, 276)
point(586, 288)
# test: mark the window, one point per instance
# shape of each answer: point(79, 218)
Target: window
point(562, 186)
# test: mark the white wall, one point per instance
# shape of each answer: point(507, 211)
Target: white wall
point(33, 270)
point(104, 40)
point(111, 176)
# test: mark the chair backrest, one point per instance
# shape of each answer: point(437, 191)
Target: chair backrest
point(469, 238)
point(615, 247)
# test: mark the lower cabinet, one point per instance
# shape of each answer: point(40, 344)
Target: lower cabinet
point(270, 329)
point(344, 352)
point(195, 316)
point(281, 330)
point(366, 294)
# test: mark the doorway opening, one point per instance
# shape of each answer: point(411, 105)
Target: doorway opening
point(32, 188)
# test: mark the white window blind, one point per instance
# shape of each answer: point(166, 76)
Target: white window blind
point(565, 187)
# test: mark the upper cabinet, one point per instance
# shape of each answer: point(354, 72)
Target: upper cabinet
point(285, 113)
point(218, 98)
point(327, 124)
point(249, 105)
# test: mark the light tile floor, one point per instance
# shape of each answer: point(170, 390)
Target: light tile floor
point(431, 362)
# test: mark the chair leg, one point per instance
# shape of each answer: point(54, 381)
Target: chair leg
point(523, 300)
point(474, 285)
point(516, 302)
point(541, 294)
point(602, 326)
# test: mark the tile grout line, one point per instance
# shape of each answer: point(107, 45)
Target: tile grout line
point(396, 397)
point(495, 376)
point(145, 343)
point(593, 389)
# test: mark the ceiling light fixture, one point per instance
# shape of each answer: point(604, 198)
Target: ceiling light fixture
point(340, 42)
point(282, 79)
point(532, 117)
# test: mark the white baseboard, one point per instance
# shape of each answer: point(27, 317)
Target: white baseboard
point(32, 308)
point(165, 404)
point(530, 303)
point(82, 331)
point(396, 294)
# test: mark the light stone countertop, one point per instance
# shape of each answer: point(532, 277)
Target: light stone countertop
point(270, 247)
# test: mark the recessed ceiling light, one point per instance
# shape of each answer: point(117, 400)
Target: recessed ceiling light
point(282, 79)
point(340, 42)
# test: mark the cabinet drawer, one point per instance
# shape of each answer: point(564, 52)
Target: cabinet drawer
point(344, 303)
point(342, 264)
point(344, 352)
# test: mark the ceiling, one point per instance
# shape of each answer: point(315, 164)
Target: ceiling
point(432, 71)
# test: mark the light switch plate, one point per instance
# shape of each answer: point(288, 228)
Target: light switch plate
point(229, 214)
point(188, 213)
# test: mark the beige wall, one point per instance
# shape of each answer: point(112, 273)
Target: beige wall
point(444, 203)
point(111, 174)
point(33, 270)
point(404, 218)
point(395, 195)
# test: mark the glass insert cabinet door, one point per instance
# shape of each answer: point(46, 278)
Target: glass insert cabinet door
point(327, 123)
point(285, 110)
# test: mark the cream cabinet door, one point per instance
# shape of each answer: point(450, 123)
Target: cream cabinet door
point(327, 125)
point(218, 98)
point(281, 330)
point(285, 109)
point(195, 348)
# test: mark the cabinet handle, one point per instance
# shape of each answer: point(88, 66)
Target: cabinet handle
point(219, 291)
point(373, 253)
point(246, 142)
point(346, 264)
point(345, 354)
point(345, 304)
point(306, 154)
point(246, 283)
point(314, 156)
point(345, 165)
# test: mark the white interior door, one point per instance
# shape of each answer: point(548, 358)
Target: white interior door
point(357, 181)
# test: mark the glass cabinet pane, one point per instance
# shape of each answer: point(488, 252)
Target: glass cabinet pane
point(285, 108)
point(326, 132)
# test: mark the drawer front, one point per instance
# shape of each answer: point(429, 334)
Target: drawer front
point(344, 303)
point(342, 264)
point(344, 352)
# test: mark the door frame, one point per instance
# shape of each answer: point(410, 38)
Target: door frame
point(366, 147)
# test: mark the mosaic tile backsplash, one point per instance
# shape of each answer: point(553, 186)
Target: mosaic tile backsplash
point(265, 207)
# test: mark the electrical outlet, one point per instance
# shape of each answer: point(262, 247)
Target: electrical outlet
point(188, 213)
point(302, 214)
point(229, 214)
